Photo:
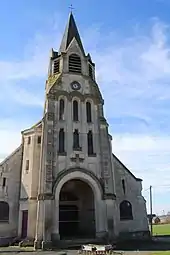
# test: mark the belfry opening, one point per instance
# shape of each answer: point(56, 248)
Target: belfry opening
point(76, 210)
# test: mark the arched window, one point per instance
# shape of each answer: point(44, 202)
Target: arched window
point(75, 111)
point(74, 63)
point(88, 111)
point(90, 143)
point(4, 211)
point(39, 139)
point(123, 186)
point(61, 140)
point(29, 139)
point(76, 144)
point(125, 210)
point(61, 109)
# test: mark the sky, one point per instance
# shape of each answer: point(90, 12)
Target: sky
point(129, 41)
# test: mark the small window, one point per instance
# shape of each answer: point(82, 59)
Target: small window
point(90, 71)
point(75, 111)
point(4, 211)
point(88, 112)
point(56, 66)
point(39, 139)
point(27, 165)
point(90, 143)
point(76, 144)
point(123, 186)
point(4, 182)
point(61, 140)
point(74, 63)
point(61, 109)
point(125, 210)
point(29, 139)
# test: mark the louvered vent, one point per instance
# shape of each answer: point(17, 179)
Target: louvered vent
point(56, 66)
point(74, 63)
point(90, 71)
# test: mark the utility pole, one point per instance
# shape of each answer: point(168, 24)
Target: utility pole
point(151, 210)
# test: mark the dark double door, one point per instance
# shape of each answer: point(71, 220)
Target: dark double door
point(68, 221)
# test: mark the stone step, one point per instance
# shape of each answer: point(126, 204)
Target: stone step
point(74, 243)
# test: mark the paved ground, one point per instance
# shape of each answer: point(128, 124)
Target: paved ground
point(27, 251)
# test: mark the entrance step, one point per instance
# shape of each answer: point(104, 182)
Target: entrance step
point(74, 243)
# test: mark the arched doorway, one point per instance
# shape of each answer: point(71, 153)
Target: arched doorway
point(76, 210)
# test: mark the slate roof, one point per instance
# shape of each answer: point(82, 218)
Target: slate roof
point(71, 32)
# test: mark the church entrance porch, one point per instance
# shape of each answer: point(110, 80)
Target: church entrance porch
point(79, 210)
point(76, 210)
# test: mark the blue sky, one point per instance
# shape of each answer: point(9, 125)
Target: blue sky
point(129, 41)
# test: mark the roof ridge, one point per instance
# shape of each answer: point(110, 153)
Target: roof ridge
point(11, 154)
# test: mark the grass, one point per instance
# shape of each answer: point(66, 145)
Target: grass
point(161, 229)
point(160, 253)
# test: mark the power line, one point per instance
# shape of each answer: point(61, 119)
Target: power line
point(158, 186)
point(145, 190)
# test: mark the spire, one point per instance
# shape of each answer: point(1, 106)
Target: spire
point(71, 31)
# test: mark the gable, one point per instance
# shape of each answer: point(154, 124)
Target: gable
point(124, 168)
point(12, 155)
point(36, 126)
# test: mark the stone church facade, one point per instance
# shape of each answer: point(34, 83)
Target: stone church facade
point(64, 182)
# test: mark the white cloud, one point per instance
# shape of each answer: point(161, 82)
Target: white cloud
point(10, 134)
point(145, 155)
point(148, 158)
point(32, 65)
point(24, 97)
point(134, 74)
point(10, 140)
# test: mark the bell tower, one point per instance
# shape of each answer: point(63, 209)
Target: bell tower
point(75, 136)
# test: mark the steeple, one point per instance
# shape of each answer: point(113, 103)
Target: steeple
point(71, 32)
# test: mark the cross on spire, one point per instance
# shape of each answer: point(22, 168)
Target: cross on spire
point(71, 7)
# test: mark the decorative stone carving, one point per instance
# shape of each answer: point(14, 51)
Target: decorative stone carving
point(77, 159)
point(50, 116)
point(46, 196)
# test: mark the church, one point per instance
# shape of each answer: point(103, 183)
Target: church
point(63, 182)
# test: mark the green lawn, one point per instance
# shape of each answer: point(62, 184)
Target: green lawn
point(162, 229)
point(160, 253)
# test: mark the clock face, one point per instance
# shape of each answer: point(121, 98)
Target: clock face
point(75, 86)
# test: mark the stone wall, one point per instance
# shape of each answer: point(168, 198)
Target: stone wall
point(10, 169)
point(132, 193)
point(30, 177)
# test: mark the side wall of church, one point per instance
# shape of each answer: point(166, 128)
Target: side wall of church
point(30, 178)
point(10, 176)
point(129, 188)
point(30, 164)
